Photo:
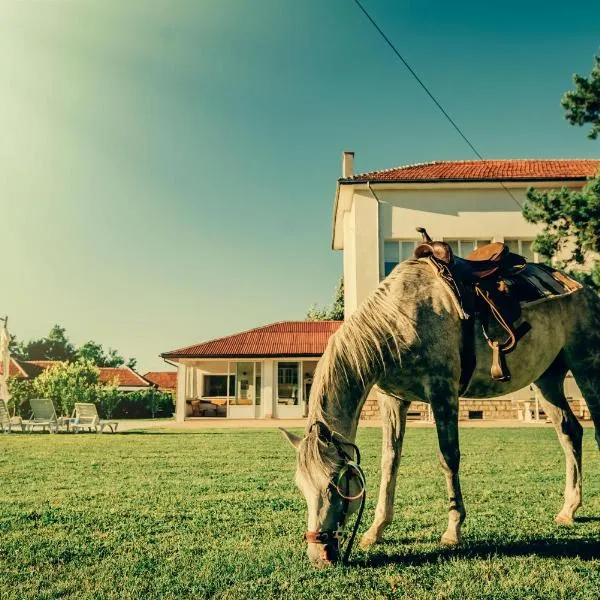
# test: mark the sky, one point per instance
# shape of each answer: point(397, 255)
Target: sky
point(168, 168)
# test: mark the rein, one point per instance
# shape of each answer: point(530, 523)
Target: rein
point(351, 468)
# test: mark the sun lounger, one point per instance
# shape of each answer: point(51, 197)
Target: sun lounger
point(7, 423)
point(43, 415)
point(86, 415)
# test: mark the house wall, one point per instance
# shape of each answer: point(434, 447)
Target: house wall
point(447, 213)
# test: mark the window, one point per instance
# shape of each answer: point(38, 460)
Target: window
point(476, 414)
point(395, 251)
point(522, 247)
point(287, 382)
point(391, 256)
point(244, 375)
point(463, 248)
point(216, 386)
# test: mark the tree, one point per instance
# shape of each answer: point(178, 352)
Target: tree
point(582, 104)
point(570, 236)
point(94, 352)
point(55, 346)
point(335, 312)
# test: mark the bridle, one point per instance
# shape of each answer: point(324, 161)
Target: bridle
point(330, 539)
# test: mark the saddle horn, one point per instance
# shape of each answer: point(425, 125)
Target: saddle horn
point(425, 235)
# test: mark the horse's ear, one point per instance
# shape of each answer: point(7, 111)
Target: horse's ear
point(292, 438)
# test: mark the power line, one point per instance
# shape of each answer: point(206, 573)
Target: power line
point(428, 92)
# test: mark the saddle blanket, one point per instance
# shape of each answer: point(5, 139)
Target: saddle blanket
point(538, 281)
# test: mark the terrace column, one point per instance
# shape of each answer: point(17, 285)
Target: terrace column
point(268, 389)
point(181, 393)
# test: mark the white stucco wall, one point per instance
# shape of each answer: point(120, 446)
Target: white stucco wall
point(361, 255)
point(462, 211)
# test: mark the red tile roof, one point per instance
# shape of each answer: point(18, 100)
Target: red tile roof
point(165, 380)
point(30, 369)
point(124, 376)
point(288, 338)
point(15, 369)
point(484, 170)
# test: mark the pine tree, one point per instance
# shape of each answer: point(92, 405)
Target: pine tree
point(570, 236)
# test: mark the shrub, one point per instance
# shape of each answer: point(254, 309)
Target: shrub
point(108, 398)
point(21, 390)
point(66, 383)
point(144, 404)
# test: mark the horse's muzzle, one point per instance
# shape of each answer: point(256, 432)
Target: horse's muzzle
point(323, 555)
point(323, 548)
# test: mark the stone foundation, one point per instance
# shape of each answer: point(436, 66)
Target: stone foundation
point(521, 406)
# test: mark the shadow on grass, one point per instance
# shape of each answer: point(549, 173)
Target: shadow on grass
point(587, 519)
point(583, 549)
point(203, 432)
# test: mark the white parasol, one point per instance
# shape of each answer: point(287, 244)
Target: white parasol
point(4, 360)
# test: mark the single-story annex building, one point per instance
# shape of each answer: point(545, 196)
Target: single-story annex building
point(261, 373)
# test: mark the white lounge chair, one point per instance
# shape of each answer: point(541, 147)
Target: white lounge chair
point(43, 415)
point(86, 415)
point(7, 423)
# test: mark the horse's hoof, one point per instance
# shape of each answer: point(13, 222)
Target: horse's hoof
point(564, 519)
point(367, 541)
point(449, 540)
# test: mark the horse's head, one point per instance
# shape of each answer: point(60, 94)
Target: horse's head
point(334, 487)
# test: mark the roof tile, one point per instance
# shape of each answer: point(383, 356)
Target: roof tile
point(484, 170)
point(165, 380)
point(288, 338)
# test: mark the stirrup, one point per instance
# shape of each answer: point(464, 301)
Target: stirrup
point(499, 371)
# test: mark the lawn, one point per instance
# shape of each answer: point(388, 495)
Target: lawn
point(215, 514)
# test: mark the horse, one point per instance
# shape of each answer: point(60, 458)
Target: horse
point(405, 339)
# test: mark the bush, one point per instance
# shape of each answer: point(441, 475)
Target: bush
point(21, 391)
point(144, 404)
point(66, 383)
point(108, 398)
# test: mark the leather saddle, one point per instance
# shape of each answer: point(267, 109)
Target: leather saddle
point(477, 282)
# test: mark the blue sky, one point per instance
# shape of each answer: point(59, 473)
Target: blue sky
point(167, 169)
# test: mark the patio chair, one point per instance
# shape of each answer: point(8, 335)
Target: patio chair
point(86, 415)
point(43, 415)
point(6, 421)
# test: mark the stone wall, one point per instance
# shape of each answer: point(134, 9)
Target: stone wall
point(519, 405)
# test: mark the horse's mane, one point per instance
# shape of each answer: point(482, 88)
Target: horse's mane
point(379, 330)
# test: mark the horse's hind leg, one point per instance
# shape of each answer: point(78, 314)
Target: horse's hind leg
point(569, 431)
point(393, 418)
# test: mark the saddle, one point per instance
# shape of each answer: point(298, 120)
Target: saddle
point(492, 283)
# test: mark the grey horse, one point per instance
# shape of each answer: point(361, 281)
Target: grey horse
point(405, 338)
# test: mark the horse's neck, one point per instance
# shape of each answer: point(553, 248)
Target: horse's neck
point(341, 417)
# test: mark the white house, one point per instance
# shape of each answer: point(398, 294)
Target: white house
point(466, 203)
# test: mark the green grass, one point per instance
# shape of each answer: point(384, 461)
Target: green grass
point(215, 513)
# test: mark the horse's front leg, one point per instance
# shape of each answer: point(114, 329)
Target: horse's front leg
point(393, 418)
point(445, 411)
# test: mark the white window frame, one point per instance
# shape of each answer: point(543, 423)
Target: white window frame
point(475, 241)
point(520, 241)
point(398, 241)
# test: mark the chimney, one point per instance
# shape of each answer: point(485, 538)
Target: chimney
point(347, 165)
